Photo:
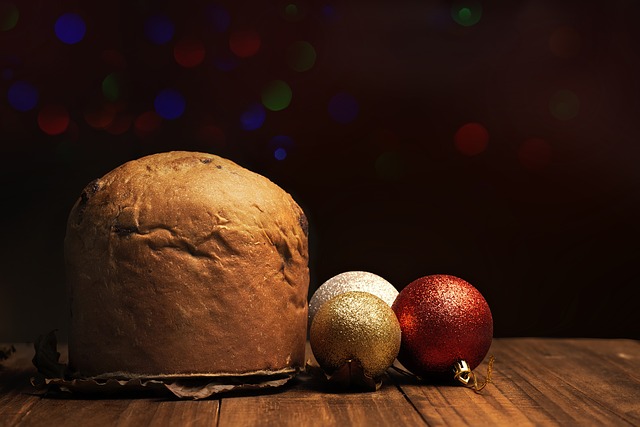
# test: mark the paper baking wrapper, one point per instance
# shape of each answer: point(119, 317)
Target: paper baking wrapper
point(53, 375)
point(190, 388)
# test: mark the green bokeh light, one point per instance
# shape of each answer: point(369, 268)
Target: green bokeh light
point(294, 12)
point(9, 15)
point(466, 13)
point(276, 95)
point(111, 87)
point(391, 166)
point(291, 10)
point(301, 56)
point(564, 105)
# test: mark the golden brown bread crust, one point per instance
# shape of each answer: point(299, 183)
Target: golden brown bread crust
point(184, 263)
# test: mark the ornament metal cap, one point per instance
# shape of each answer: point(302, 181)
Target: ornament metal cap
point(462, 372)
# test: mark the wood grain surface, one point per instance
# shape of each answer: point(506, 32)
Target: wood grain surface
point(535, 382)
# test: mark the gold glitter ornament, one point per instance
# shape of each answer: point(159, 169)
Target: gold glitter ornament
point(355, 327)
point(351, 281)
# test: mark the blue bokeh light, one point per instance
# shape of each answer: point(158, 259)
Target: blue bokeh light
point(343, 108)
point(70, 28)
point(226, 64)
point(22, 96)
point(330, 13)
point(169, 104)
point(281, 145)
point(280, 153)
point(253, 117)
point(159, 29)
point(218, 17)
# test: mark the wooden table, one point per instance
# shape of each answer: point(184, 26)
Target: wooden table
point(535, 382)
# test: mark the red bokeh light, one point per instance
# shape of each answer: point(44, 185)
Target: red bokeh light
point(189, 52)
point(120, 124)
point(210, 136)
point(147, 123)
point(99, 117)
point(471, 139)
point(565, 42)
point(244, 43)
point(53, 119)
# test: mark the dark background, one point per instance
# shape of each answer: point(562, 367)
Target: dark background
point(542, 219)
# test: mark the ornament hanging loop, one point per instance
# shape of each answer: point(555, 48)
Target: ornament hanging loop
point(468, 378)
point(462, 372)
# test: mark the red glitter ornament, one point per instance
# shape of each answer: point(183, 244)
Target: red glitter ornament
point(444, 321)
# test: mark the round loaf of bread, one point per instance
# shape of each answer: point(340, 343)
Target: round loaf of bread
point(186, 264)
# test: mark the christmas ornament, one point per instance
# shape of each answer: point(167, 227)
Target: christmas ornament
point(353, 334)
point(446, 325)
point(352, 281)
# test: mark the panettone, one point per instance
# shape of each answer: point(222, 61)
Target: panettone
point(186, 264)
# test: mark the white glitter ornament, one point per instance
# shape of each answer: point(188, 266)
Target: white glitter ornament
point(352, 281)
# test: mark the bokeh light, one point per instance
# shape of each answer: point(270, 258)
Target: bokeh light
point(281, 145)
point(301, 56)
point(53, 119)
point(471, 139)
point(100, 115)
point(343, 108)
point(112, 87)
point(565, 42)
point(7, 74)
point(70, 28)
point(114, 59)
point(466, 13)
point(210, 136)
point(291, 10)
point(534, 154)
point(253, 117)
point(189, 52)
point(294, 12)
point(564, 105)
point(244, 43)
point(330, 13)
point(390, 165)
point(226, 63)
point(9, 15)
point(276, 95)
point(22, 96)
point(280, 153)
point(218, 17)
point(147, 123)
point(159, 29)
point(169, 104)
point(120, 124)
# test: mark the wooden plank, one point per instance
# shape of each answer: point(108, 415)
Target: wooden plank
point(16, 394)
point(600, 377)
point(20, 405)
point(121, 412)
point(310, 403)
point(542, 381)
